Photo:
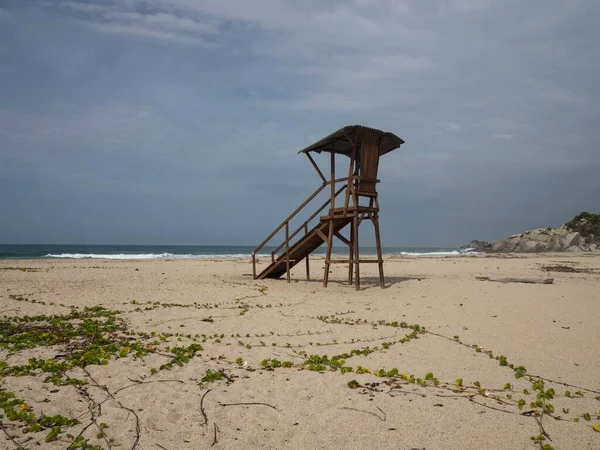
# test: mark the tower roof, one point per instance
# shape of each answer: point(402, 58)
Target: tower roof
point(341, 141)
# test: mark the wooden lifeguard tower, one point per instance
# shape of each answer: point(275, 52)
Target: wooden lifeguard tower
point(363, 146)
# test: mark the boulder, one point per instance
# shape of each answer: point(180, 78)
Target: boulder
point(478, 246)
point(540, 235)
point(507, 245)
point(554, 244)
point(529, 246)
point(571, 240)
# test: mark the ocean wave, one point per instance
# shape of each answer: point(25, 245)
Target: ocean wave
point(166, 255)
point(440, 253)
point(141, 256)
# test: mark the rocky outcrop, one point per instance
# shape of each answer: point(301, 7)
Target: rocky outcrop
point(578, 235)
point(545, 240)
point(477, 246)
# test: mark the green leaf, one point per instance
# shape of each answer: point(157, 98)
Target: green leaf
point(35, 428)
point(392, 373)
point(53, 435)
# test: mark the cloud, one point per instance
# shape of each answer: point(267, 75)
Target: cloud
point(205, 103)
point(563, 95)
point(144, 32)
point(72, 142)
point(76, 6)
point(453, 127)
point(102, 121)
point(468, 5)
point(122, 18)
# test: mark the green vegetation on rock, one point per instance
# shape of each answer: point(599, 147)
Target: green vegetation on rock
point(586, 224)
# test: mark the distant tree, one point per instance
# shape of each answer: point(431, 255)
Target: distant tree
point(586, 224)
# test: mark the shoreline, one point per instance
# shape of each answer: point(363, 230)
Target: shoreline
point(317, 257)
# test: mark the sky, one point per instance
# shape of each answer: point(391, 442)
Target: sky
point(179, 121)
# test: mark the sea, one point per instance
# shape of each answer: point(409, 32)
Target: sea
point(123, 252)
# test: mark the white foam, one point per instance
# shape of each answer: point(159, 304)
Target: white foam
point(141, 256)
point(443, 253)
point(126, 256)
point(467, 251)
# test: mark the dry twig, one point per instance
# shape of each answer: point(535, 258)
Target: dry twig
point(248, 404)
point(202, 408)
point(10, 437)
point(215, 440)
point(368, 412)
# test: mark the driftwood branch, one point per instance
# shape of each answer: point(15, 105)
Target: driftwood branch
point(516, 280)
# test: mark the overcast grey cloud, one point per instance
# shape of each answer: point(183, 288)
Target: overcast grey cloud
point(165, 121)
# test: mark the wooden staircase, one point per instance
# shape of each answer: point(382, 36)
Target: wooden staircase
point(304, 247)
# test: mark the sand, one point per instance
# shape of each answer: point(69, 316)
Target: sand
point(553, 330)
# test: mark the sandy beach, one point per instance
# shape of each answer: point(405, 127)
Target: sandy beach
point(442, 350)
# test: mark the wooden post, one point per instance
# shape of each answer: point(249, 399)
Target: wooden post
point(355, 251)
point(332, 182)
point(287, 250)
point(351, 256)
point(375, 220)
point(307, 261)
point(312, 161)
point(253, 266)
point(355, 222)
point(350, 181)
point(331, 222)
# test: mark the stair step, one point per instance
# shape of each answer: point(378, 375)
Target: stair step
point(302, 248)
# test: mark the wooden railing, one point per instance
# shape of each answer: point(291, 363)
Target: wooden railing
point(304, 226)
